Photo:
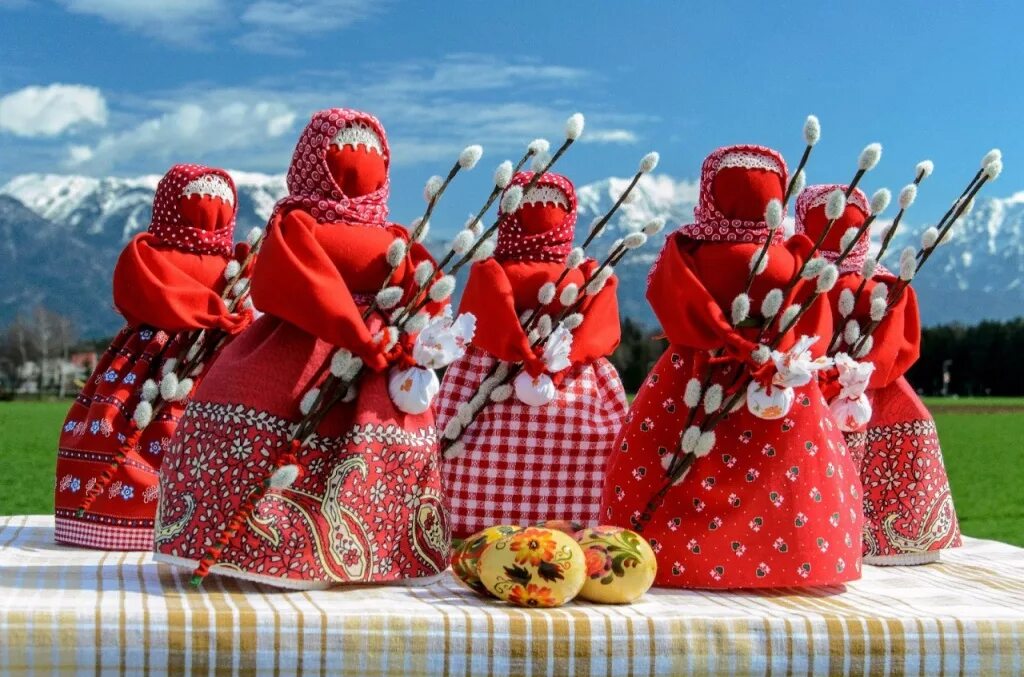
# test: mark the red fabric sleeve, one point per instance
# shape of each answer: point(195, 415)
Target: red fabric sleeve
point(897, 339)
point(600, 332)
point(689, 315)
point(488, 295)
point(149, 289)
point(294, 279)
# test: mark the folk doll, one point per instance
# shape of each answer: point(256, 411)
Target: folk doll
point(167, 284)
point(776, 500)
point(367, 506)
point(908, 508)
point(539, 454)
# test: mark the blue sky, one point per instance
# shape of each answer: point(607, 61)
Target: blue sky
point(232, 83)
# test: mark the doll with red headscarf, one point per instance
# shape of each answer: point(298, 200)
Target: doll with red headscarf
point(367, 506)
point(539, 453)
point(908, 507)
point(167, 284)
point(775, 500)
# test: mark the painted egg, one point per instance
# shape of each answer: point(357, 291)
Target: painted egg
point(534, 567)
point(620, 564)
point(565, 526)
point(466, 557)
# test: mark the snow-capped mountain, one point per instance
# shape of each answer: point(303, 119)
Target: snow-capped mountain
point(60, 237)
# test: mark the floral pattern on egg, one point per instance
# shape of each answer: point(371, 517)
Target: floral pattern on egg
point(620, 564)
point(535, 567)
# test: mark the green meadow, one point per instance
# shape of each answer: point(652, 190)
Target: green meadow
point(982, 440)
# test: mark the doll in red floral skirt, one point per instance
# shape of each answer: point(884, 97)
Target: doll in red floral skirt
point(539, 453)
point(167, 284)
point(775, 500)
point(908, 507)
point(367, 506)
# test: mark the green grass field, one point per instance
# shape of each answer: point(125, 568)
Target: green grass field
point(982, 441)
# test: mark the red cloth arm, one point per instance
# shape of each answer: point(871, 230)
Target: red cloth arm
point(600, 332)
point(689, 315)
point(294, 279)
point(488, 295)
point(897, 339)
point(149, 289)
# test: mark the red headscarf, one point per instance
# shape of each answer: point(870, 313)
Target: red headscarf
point(811, 220)
point(736, 183)
point(516, 242)
point(311, 184)
point(171, 223)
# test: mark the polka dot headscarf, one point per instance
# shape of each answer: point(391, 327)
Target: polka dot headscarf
point(169, 225)
point(311, 186)
point(516, 244)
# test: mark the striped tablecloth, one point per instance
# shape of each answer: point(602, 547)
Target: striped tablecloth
point(68, 610)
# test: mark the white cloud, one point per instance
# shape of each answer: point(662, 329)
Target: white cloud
point(51, 110)
point(609, 136)
point(175, 21)
point(190, 131)
point(432, 109)
point(275, 26)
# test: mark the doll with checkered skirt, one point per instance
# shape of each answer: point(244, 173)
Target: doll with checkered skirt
point(367, 506)
point(775, 501)
point(167, 284)
point(908, 507)
point(533, 456)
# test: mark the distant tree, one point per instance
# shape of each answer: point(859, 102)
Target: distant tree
point(41, 336)
point(638, 350)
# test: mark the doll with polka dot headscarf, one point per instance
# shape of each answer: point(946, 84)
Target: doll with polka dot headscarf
point(909, 517)
point(364, 504)
point(773, 499)
point(539, 453)
point(167, 285)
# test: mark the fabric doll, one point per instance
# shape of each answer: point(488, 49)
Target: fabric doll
point(775, 501)
point(540, 453)
point(908, 508)
point(167, 284)
point(367, 507)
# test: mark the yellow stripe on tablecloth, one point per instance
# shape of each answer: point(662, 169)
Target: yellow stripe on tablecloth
point(178, 628)
point(322, 642)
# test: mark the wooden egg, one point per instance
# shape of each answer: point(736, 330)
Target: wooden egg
point(466, 557)
point(535, 567)
point(565, 526)
point(620, 564)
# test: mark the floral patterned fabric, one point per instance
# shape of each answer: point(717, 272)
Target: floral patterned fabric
point(95, 428)
point(908, 507)
point(776, 503)
point(368, 506)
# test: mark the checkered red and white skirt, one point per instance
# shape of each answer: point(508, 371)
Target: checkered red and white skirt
point(526, 464)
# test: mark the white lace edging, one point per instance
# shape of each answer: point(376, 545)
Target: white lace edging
point(212, 185)
point(547, 194)
point(358, 134)
point(749, 161)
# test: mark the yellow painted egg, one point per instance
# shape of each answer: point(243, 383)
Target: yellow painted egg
point(565, 526)
point(534, 567)
point(620, 564)
point(466, 556)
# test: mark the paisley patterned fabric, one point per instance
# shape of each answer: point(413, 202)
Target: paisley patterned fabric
point(908, 507)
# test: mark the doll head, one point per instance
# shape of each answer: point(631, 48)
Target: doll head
point(542, 228)
point(812, 222)
point(194, 209)
point(339, 171)
point(736, 185)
